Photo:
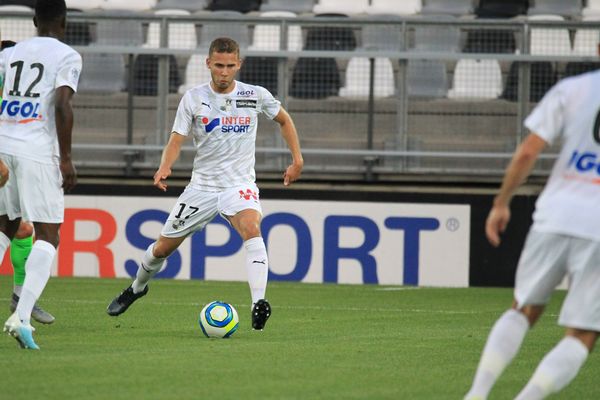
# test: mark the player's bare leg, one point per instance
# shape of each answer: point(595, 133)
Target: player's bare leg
point(153, 260)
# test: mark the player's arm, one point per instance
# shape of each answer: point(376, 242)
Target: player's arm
point(169, 156)
point(63, 111)
point(290, 135)
point(517, 171)
point(3, 174)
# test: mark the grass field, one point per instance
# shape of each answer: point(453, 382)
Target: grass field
point(322, 342)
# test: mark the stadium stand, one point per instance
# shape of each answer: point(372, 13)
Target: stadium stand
point(442, 38)
point(84, 4)
point(551, 40)
point(576, 68)
point(268, 36)
point(381, 37)
point(490, 41)
point(542, 77)
point(15, 28)
point(357, 78)
point(119, 32)
point(393, 7)
point(130, 5)
point(427, 78)
point(296, 6)
point(77, 33)
point(243, 6)
point(501, 8)
point(586, 40)
point(102, 73)
point(145, 75)
point(565, 8)
point(196, 72)
point(188, 5)
point(480, 79)
point(448, 7)
point(211, 30)
point(26, 3)
point(182, 35)
point(261, 71)
point(341, 7)
point(592, 8)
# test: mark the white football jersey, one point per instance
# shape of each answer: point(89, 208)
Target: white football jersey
point(33, 69)
point(569, 202)
point(224, 131)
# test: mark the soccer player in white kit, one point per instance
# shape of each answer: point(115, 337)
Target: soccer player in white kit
point(221, 116)
point(36, 120)
point(564, 240)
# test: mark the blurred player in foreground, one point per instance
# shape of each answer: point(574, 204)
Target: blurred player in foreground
point(36, 120)
point(564, 240)
point(222, 117)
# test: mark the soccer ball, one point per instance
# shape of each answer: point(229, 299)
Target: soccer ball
point(218, 319)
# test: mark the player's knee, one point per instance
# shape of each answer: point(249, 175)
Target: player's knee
point(160, 250)
point(532, 313)
point(25, 230)
point(249, 230)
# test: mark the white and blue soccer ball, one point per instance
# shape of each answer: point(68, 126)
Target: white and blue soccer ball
point(218, 319)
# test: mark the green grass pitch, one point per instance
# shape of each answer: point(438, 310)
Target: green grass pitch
point(322, 342)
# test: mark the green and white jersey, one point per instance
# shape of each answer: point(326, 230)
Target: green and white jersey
point(223, 127)
point(33, 69)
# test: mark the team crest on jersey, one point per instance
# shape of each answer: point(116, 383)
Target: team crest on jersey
point(178, 224)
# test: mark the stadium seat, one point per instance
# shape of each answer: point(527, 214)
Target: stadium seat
point(188, 5)
point(315, 78)
point(586, 40)
point(542, 77)
point(295, 6)
point(341, 7)
point(592, 8)
point(382, 37)
point(196, 72)
point(182, 35)
point(577, 68)
point(549, 41)
point(394, 7)
point(145, 75)
point(443, 38)
point(501, 8)
point(84, 4)
point(357, 78)
point(15, 28)
point(237, 31)
point(26, 3)
point(449, 7)
point(261, 71)
point(490, 41)
point(131, 5)
point(566, 8)
point(118, 32)
point(267, 36)
point(476, 79)
point(102, 73)
point(77, 33)
point(330, 38)
point(243, 6)
point(427, 78)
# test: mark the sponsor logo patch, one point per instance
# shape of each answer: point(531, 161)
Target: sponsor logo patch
point(245, 103)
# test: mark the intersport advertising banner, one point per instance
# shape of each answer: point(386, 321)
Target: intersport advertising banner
point(307, 241)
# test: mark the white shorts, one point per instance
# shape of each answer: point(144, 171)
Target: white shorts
point(195, 208)
point(546, 259)
point(33, 191)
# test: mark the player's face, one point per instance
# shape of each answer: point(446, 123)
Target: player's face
point(223, 67)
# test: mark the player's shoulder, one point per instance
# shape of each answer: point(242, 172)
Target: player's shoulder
point(588, 78)
point(201, 90)
point(52, 47)
point(243, 89)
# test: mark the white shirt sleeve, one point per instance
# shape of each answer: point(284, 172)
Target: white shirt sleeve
point(69, 71)
point(547, 119)
point(184, 117)
point(268, 104)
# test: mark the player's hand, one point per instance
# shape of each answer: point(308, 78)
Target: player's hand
point(496, 223)
point(292, 174)
point(160, 176)
point(4, 173)
point(69, 174)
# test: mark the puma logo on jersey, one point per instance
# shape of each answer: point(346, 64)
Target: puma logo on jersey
point(206, 104)
point(263, 262)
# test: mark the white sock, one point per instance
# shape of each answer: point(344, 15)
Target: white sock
point(148, 268)
point(502, 345)
point(17, 289)
point(257, 265)
point(4, 244)
point(37, 268)
point(557, 369)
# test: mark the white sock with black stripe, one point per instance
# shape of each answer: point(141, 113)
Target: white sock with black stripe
point(148, 268)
